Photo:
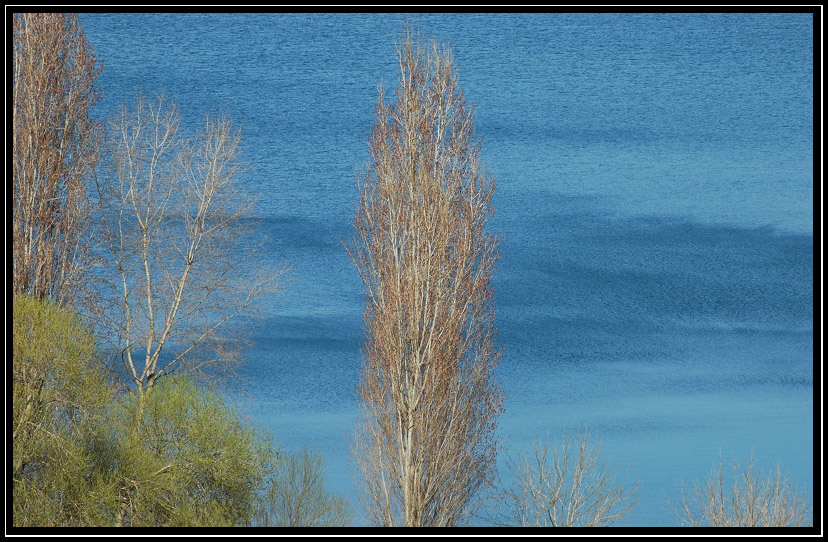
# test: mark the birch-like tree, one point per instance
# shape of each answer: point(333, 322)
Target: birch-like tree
point(426, 442)
point(55, 148)
point(174, 220)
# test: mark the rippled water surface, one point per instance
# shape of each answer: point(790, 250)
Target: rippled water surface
point(655, 198)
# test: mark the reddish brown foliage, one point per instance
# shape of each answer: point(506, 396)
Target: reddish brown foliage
point(426, 441)
point(56, 146)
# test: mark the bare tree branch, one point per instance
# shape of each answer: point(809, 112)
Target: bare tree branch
point(564, 485)
point(183, 267)
point(751, 501)
point(425, 443)
point(56, 147)
point(174, 224)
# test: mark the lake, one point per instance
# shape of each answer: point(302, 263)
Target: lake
point(655, 198)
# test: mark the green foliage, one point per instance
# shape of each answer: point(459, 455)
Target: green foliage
point(185, 458)
point(58, 394)
point(173, 455)
point(297, 496)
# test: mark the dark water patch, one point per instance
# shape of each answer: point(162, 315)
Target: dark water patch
point(289, 233)
point(628, 270)
point(276, 328)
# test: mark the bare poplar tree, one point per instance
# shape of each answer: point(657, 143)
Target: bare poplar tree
point(564, 485)
point(56, 146)
point(425, 443)
point(751, 500)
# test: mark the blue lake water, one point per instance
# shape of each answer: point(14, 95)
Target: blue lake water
point(655, 198)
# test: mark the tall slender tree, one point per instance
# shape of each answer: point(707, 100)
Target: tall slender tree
point(426, 441)
point(56, 145)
